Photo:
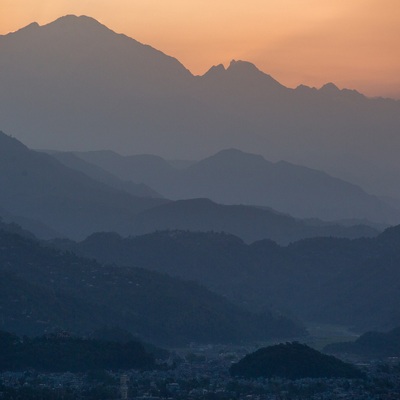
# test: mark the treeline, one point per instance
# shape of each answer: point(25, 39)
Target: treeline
point(61, 353)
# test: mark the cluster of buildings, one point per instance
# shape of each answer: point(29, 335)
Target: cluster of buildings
point(201, 374)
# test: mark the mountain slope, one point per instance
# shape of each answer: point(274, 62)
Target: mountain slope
point(293, 361)
point(72, 161)
point(36, 186)
point(45, 289)
point(326, 280)
point(370, 345)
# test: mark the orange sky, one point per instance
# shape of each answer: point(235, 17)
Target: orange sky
point(355, 43)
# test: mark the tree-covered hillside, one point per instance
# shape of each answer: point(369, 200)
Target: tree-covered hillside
point(58, 353)
point(330, 280)
point(292, 361)
point(43, 289)
point(370, 344)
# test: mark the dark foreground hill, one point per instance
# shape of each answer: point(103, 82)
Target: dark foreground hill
point(292, 361)
point(340, 281)
point(62, 353)
point(43, 290)
point(371, 345)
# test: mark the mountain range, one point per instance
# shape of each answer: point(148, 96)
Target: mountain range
point(74, 84)
point(54, 200)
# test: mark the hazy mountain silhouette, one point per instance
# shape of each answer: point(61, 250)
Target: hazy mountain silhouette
point(53, 200)
point(249, 223)
point(235, 177)
point(72, 161)
point(137, 168)
point(38, 187)
point(37, 228)
point(74, 84)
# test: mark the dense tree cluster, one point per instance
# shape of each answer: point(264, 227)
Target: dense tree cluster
point(61, 352)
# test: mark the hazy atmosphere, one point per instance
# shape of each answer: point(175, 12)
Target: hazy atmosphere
point(199, 200)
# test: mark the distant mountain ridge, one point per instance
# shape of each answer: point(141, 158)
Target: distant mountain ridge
point(54, 200)
point(247, 222)
point(234, 177)
point(74, 84)
point(72, 161)
point(38, 187)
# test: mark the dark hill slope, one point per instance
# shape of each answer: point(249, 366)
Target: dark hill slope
point(72, 354)
point(45, 289)
point(331, 280)
point(370, 344)
point(36, 186)
point(293, 361)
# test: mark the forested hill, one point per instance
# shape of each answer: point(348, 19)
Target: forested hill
point(42, 290)
point(61, 353)
point(292, 361)
point(356, 282)
point(370, 344)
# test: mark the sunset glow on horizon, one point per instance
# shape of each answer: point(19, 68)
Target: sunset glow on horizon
point(353, 44)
